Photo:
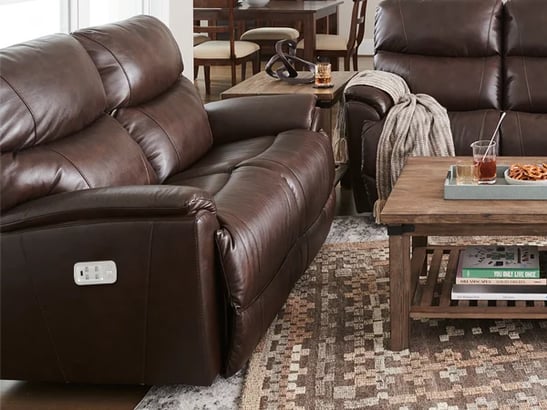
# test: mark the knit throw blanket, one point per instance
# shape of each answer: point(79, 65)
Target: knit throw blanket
point(417, 125)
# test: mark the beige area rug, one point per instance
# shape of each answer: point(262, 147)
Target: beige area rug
point(328, 349)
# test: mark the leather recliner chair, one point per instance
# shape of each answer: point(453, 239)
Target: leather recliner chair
point(210, 213)
point(476, 57)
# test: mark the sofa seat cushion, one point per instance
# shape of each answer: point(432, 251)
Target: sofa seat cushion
point(284, 194)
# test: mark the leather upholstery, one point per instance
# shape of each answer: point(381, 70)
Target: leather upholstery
point(238, 200)
point(476, 57)
point(139, 60)
point(47, 150)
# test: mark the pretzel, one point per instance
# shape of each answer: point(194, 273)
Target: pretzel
point(528, 172)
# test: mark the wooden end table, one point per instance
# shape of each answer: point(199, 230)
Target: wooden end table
point(327, 98)
point(416, 209)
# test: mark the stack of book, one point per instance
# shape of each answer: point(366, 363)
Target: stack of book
point(500, 273)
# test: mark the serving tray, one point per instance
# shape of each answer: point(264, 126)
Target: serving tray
point(501, 190)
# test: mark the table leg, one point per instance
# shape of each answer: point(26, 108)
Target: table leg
point(399, 290)
point(419, 241)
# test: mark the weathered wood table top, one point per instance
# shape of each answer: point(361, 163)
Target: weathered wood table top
point(417, 198)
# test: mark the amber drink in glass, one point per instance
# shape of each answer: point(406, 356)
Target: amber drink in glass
point(484, 160)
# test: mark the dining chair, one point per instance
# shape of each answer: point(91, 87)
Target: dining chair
point(266, 37)
point(333, 46)
point(221, 52)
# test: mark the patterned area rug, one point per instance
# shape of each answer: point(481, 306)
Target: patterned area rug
point(328, 349)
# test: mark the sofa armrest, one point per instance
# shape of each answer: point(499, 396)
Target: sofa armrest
point(166, 302)
point(377, 99)
point(126, 201)
point(247, 117)
point(365, 109)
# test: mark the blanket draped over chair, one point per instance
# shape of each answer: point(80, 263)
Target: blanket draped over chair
point(417, 125)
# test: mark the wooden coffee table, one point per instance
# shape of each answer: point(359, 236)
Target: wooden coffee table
point(415, 210)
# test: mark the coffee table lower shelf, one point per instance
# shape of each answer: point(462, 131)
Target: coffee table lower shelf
point(431, 291)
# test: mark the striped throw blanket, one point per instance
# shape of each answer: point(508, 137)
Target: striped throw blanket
point(417, 125)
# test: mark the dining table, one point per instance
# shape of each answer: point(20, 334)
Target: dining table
point(285, 12)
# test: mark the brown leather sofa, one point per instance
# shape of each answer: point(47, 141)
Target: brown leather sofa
point(476, 57)
point(210, 213)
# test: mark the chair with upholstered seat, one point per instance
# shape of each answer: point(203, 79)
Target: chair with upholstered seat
point(223, 52)
point(334, 46)
point(266, 37)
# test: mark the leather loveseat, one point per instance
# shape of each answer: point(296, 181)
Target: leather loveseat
point(476, 57)
point(210, 214)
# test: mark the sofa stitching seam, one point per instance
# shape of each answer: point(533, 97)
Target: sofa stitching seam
point(73, 164)
point(179, 159)
point(117, 61)
point(34, 140)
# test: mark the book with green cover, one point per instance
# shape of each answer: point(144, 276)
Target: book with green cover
point(495, 261)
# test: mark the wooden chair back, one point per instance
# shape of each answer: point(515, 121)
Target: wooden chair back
point(357, 24)
point(225, 11)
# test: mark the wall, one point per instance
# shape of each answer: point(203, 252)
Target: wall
point(178, 15)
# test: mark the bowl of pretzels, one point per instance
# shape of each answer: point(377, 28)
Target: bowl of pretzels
point(526, 174)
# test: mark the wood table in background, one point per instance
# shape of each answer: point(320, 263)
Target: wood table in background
point(416, 209)
point(283, 12)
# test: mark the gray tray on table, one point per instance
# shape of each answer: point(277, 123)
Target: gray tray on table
point(501, 190)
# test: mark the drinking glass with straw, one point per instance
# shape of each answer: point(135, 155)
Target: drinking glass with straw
point(484, 157)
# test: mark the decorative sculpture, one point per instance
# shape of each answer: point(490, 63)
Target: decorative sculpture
point(287, 72)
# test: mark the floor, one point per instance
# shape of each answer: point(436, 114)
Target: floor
point(17, 395)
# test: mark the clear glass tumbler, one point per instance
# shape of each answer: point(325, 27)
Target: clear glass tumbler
point(323, 76)
point(484, 160)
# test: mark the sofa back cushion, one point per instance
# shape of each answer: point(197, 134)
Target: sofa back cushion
point(525, 75)
point(449, 49)
point(140, 66)
point(526, 56)
point(54, 134)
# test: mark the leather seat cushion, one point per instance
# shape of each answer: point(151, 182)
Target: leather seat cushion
point(284, 194)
